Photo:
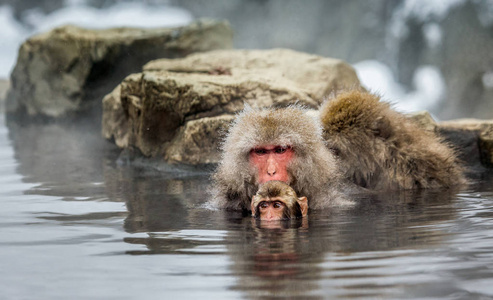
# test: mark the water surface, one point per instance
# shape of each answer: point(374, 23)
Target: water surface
point(77, 222)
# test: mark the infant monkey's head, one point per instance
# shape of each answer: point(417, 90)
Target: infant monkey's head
point(275, 200)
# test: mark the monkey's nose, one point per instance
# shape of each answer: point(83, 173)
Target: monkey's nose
point(271, 169)
point(269, 216)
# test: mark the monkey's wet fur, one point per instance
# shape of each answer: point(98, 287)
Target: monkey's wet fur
point(359, 143)
point(379, 148)
point(278, 191)
point(313, 171)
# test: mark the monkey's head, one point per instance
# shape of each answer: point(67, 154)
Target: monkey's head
point(276, 200)
point(355, 113)
point(283, 144)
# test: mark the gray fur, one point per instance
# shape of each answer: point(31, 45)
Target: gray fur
point(314, 170)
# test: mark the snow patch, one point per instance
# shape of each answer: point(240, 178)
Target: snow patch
point(119, 15)
point(11, 34)
point(127, 14)
point(488, 80)
point(428, 91)
point(433, 35)
point(424, 10)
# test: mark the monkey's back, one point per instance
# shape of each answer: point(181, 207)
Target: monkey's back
point(380, 148)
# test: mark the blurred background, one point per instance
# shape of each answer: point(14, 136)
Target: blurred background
point(419, 54)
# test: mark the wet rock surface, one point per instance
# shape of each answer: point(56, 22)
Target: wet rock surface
point(68, 70)
point(472, 138)
point(178, 108)
point(314, 75)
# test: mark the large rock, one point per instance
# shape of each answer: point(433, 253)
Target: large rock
point(424, 120)
point(177, 108)
point(197, 141)
point(473, 138)
point(69, 69)
point(313, 75)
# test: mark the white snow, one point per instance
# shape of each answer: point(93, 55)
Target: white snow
point(488, 80)
point(428, 84)
point(132, 14)
point(122, 14)
point(11, 34)
point(426, 9)
point(433, 34)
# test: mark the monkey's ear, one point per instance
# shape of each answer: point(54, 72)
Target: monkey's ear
point(303, 202)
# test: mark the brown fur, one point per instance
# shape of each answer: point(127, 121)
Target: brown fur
point(380, 148)
point(313, 170)
point(275, 189)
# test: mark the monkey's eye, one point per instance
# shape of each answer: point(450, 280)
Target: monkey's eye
point(280, 150)
point(263, 205)
point(277, 205)
point(260, 151)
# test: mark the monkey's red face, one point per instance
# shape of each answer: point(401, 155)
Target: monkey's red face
point(272, 162)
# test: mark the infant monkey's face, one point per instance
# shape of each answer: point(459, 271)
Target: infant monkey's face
point(275, 200)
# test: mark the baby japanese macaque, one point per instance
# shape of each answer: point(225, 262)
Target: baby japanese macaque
point(275, 200)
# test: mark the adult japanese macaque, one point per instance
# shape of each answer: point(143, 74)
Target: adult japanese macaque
point(380, 148)
point(275, 200)
point(283, 144)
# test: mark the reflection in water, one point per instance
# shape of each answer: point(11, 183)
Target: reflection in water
point(66, 159)
point(121, 230)
point(308, 258)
